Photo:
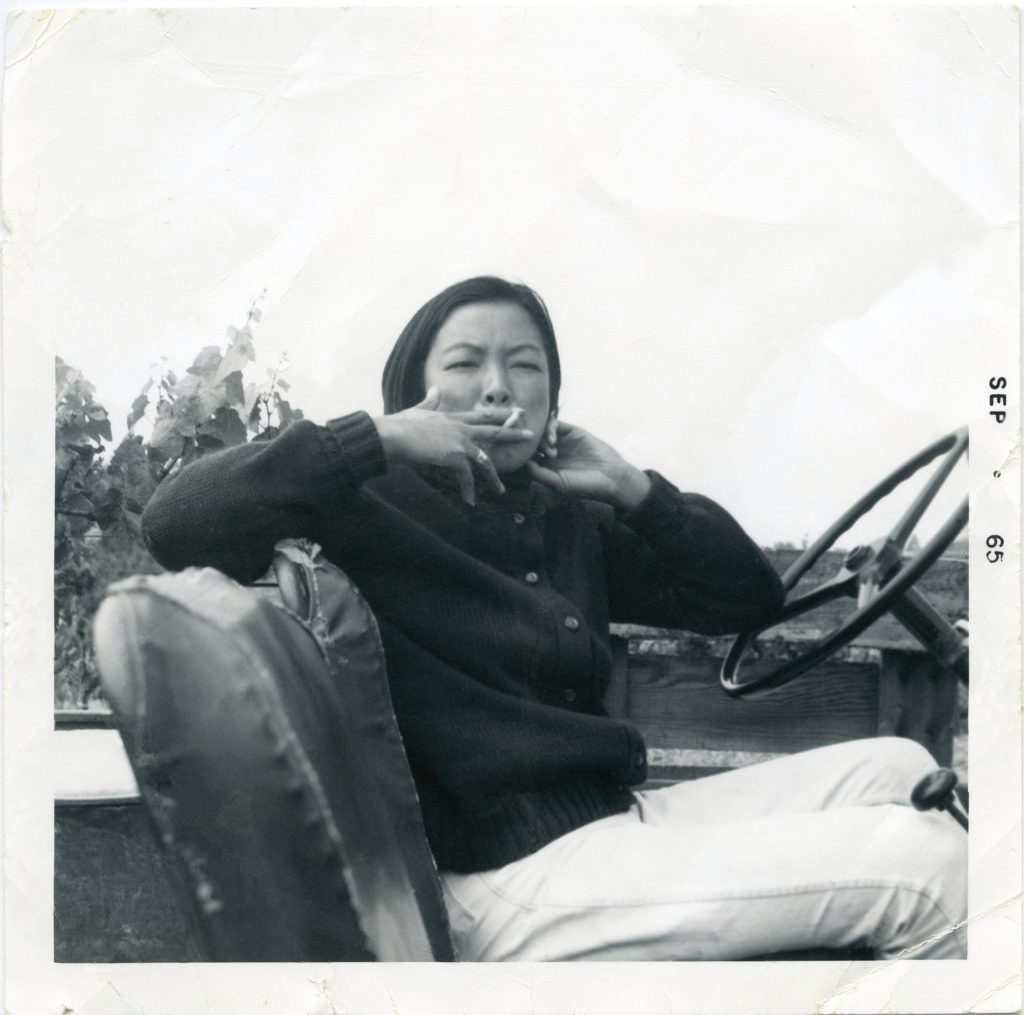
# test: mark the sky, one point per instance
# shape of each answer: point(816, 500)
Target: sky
point(779, 245)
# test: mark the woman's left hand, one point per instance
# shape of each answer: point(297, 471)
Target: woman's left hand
point(584, 466)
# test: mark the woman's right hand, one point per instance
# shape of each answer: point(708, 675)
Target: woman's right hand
point(426, 435)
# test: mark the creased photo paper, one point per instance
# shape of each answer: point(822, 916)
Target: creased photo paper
point(512, 509)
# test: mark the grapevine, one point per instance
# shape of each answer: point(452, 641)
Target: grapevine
point(99, 497)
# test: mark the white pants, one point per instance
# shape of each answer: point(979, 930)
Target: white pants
point(815, 850)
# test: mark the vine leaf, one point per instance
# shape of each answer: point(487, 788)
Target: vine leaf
point(97, 425)
point(225, 428)
point(131, 467)
point(107, 507)
point(240, 352)
point(139, 407)
point(286, 414)
point(77, 502)
point(234, 389)
point(206, 362)
point(251, 397)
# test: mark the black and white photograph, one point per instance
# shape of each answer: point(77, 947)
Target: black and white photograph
point(532, 515)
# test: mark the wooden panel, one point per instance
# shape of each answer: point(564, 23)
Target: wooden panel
point(660, 778)
point(918, 700)
point(678, 703)
point(83, 719)
point(616, 697)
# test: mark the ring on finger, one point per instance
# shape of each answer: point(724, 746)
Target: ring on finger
point(481, 456)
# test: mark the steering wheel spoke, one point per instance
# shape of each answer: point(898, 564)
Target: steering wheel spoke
point(867, 589)
point(842, 585)
point(878, 576)
point(933, 631)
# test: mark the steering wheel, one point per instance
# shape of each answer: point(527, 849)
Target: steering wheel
point(876, 575)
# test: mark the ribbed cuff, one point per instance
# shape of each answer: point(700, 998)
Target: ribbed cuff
point(659, 508)
point(514, 826)
point(354, 444)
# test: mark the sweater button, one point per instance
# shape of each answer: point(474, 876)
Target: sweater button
point(571, 623)
point(518, 518)
point(531, 577)
point(569, 694)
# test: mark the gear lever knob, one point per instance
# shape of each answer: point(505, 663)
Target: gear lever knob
point(935, 791)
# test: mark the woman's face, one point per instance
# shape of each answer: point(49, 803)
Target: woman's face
point(489, 357)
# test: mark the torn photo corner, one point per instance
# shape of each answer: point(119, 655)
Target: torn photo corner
point(687, 680)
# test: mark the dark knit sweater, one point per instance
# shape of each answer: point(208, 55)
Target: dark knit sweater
point(494, 618)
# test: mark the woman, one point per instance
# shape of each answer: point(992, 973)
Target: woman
point(495, 542)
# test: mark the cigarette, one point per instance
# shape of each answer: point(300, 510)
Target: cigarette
point(517, 415)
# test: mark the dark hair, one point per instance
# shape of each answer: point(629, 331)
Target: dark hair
point(402, 383)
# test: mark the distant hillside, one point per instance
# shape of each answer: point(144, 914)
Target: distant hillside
point(945, 587)
point(957, 551)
